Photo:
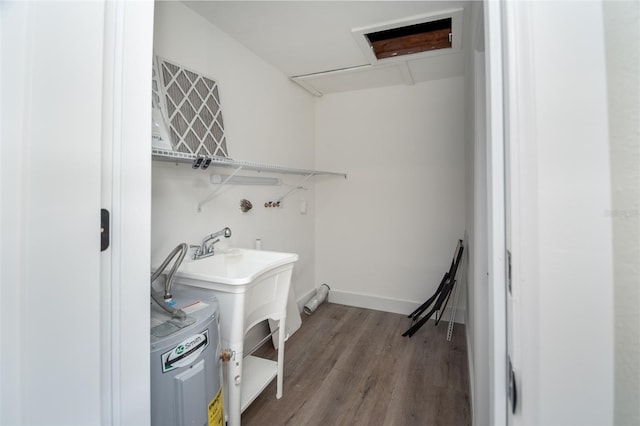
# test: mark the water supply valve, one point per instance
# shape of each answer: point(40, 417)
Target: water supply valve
point(226, 355)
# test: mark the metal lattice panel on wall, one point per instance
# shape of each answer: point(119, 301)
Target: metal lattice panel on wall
point(191, 104)
point(155, 89)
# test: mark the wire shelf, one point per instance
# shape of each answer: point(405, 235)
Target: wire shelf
point(181, 157)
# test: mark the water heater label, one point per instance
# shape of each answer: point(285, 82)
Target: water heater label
point(214, 410)
point(186, 352)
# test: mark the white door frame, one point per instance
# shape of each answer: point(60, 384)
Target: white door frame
point(126, 193)
point(521, 211)
point(496, 212)
point(557, 178)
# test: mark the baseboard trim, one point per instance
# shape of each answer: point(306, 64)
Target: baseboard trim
point(386, 304)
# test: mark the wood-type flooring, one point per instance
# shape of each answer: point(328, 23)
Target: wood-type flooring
point(351, 366)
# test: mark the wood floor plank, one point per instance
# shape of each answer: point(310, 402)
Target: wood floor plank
point(351, 366)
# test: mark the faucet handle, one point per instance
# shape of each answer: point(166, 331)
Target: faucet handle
point(197, 252)
point(210, 249)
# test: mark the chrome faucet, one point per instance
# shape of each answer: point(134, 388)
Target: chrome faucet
point(206, 248)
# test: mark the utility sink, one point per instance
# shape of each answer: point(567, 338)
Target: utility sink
point(234, 267)
point(251, 286)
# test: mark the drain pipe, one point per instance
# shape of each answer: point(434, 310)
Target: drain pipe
point(315, 301)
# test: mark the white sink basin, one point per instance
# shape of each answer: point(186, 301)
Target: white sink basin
point(234, 266)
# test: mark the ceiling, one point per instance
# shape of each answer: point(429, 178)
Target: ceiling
point(312, 41)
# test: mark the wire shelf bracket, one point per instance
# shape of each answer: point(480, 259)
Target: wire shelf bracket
point(296, 188)
point(214, 194)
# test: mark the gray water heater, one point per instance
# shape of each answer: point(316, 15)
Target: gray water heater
point(186, 374)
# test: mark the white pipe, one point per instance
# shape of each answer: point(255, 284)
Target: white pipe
point(320, 296)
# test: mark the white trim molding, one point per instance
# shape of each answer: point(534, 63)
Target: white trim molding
point(387, 304)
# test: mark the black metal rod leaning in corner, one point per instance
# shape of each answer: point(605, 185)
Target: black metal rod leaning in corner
point(441, 296)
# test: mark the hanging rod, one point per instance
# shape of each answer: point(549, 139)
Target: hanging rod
point(180, 157)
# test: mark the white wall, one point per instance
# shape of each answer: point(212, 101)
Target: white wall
point(267, 119)
point(622, 38)
point(386, 235)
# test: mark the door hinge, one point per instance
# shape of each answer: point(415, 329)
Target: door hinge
point(508, 271)
point(104, 229)
point(512, 386)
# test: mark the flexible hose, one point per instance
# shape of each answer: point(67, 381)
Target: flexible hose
point(175, 313)
point(180, 250)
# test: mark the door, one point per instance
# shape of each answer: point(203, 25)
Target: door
point(51, 143)
point(75, 103)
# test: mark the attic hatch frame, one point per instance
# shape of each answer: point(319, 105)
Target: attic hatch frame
point(362, 36)
point(411, 39)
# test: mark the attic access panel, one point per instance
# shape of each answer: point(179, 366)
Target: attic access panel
point(410, 39)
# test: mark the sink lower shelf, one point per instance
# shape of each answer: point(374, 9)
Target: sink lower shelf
point(257, 373)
